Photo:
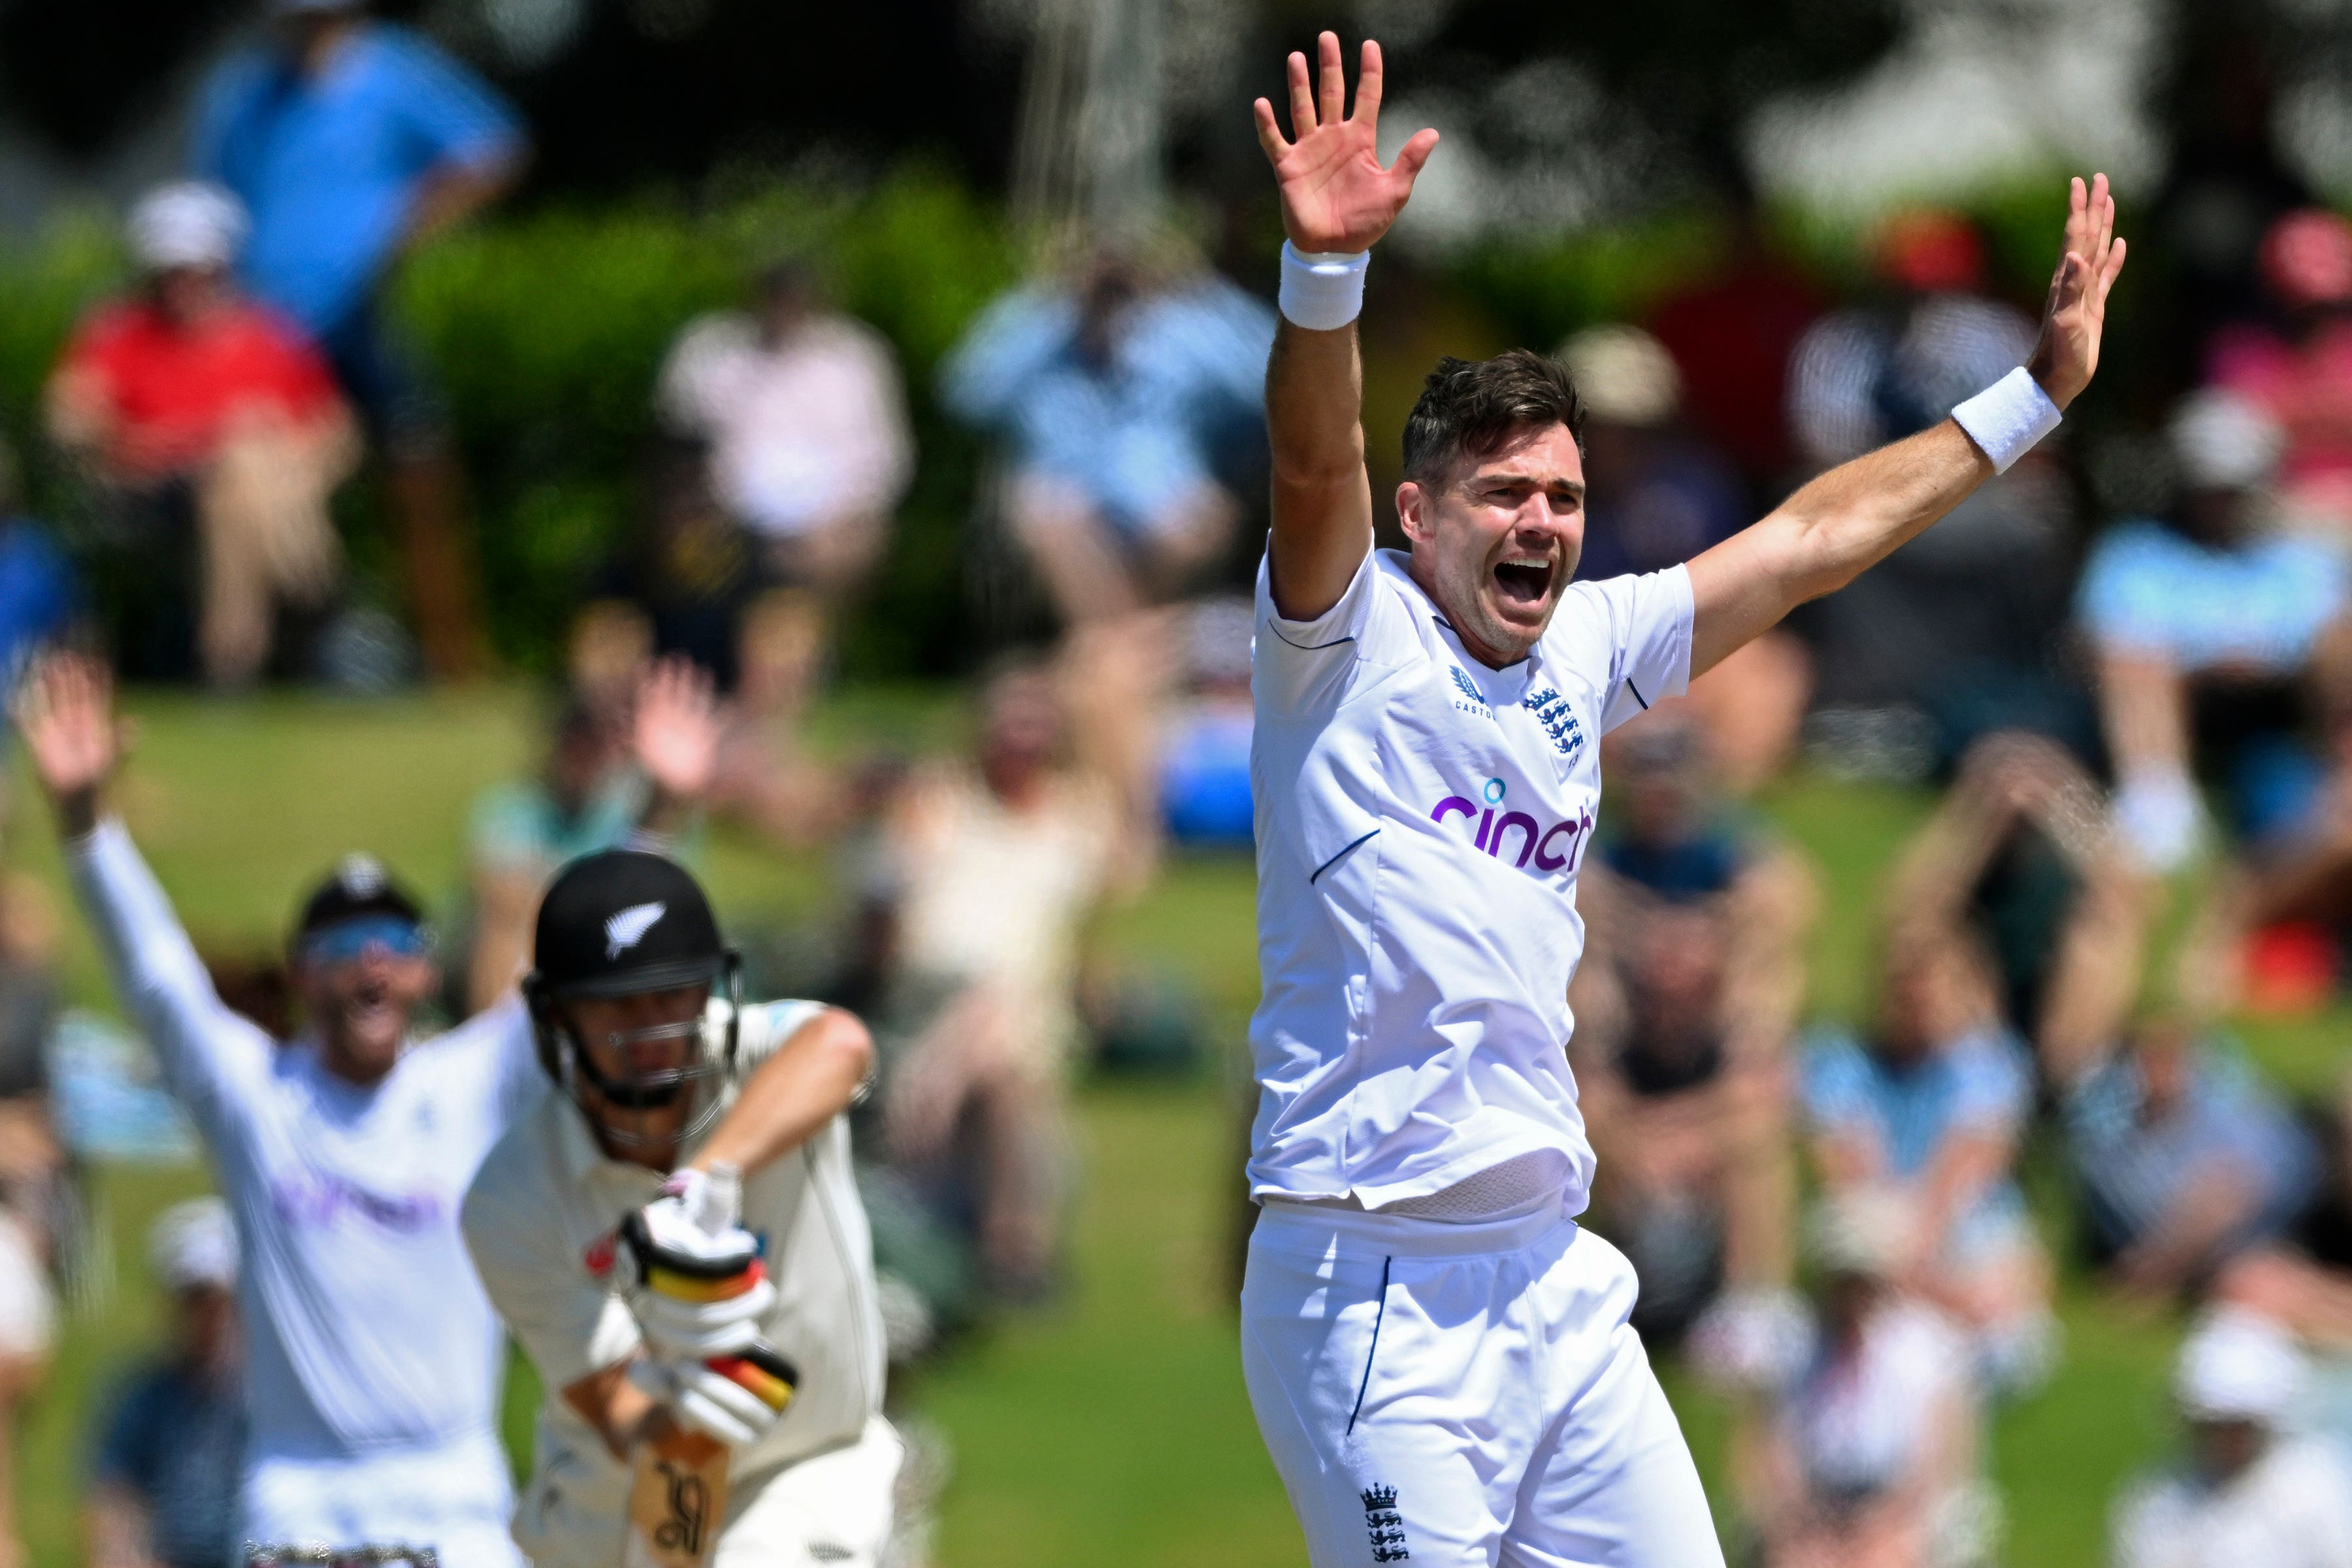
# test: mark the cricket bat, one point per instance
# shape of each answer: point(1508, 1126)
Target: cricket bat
point(677, 1498)
point(677, 1493)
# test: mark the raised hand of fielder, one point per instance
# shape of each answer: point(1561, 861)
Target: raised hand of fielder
point(2067, 353)
point(64, 708)
point(1334, 194)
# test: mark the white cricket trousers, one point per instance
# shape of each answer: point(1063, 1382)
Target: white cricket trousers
point(1460, 1394)
point(455, 1497)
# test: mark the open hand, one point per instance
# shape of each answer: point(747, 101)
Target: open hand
point(64, 708)
point(1334, 194)
point(2067, 353)
point(675, 729)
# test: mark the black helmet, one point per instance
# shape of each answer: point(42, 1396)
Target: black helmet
point(358, 887)
point(622, 923)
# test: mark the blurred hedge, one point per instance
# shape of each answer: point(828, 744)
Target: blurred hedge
point(546, 328)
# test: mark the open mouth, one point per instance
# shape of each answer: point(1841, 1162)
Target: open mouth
point(1526, 580)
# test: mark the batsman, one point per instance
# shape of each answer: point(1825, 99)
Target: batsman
point(675, 1239)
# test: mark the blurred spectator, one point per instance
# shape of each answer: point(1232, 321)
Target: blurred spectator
point(39, 596)
point(990, 870)
point(694, 584)
point(1862, 1451)
point(2297, 367)
point(2226, 184)
point(2019, 856)
point(1732, 333)
point(1109, 397)
point(211, 425)
point(352, 142)
point(1204, 747)
point(2209, 601)
point(1685, 1005)
point(1958, 624)
point(163, 1490)
point(2194, 1174)
point(1658, 497)
point(609, 777)
point(1924, 1118)
point(800, 409)
point(2246, 1495)
point(36, 1203)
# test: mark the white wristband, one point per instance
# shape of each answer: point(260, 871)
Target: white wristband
point(1324, 290)
point(2008, 417)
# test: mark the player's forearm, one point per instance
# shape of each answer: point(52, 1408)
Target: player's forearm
point(793, 1094)
point(1322, 497)
point(1826, 535)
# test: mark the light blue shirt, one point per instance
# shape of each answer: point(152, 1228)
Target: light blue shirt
point(1133, 436)
point(2149, 589)
point(1977, 1083)
point(328, 166)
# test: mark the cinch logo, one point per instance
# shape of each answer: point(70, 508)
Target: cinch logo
point(1553, 848)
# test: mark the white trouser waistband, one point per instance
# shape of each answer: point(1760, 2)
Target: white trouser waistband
point(1326, 1230)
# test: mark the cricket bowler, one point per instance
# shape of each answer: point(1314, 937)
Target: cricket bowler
point(1437, 1353)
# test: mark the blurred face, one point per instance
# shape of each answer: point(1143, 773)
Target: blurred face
point(185, 293)
point(2217, 517)
point(582, 753)
point(1496, 544)
point(1930, 995)
point(1020, 734)
point(2224, 1448)
point(1679, 970)
point(207, 1323)
point(2162, 1056)
point(361, 982)
point(641, 1048)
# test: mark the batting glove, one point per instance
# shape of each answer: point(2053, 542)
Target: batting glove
point(733, 1399)
point(692, 1273)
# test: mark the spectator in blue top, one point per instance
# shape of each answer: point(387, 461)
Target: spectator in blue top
point(352, 143)
point(1929, 1111)
point(39, 596)
point(163, 1490)
point(2194, 1174)
point(2212, 598)
point(1111, 399)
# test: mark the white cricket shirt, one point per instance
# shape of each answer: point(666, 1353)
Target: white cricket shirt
point(366, 1329)
point(1420, 819)
point(541, 1221)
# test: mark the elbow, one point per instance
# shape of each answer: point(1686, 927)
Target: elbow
point(848, 1050)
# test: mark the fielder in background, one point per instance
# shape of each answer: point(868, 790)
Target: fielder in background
point(1438, 1354)
point(373, 1358)
point(676, 1238)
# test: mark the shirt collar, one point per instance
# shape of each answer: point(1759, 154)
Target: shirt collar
point(1513, 679)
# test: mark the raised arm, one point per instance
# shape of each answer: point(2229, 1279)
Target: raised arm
point(65, 711)
point(1336, 201)
point(1854, 516)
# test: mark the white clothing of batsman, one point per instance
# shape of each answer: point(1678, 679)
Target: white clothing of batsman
point(1438, 1354)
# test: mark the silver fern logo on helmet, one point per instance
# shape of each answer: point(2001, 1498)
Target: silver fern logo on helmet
point(628, 928)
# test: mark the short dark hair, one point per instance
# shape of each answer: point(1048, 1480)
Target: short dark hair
point(1473, 408)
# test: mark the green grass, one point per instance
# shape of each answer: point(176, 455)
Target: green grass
point(1114, 1427)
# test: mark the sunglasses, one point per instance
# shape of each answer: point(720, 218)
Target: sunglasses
point(349, 940)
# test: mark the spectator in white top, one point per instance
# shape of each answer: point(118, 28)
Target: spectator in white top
point(805, 422)
point(2248, 1494)
point(1864, 1454)
point(373, 1358)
